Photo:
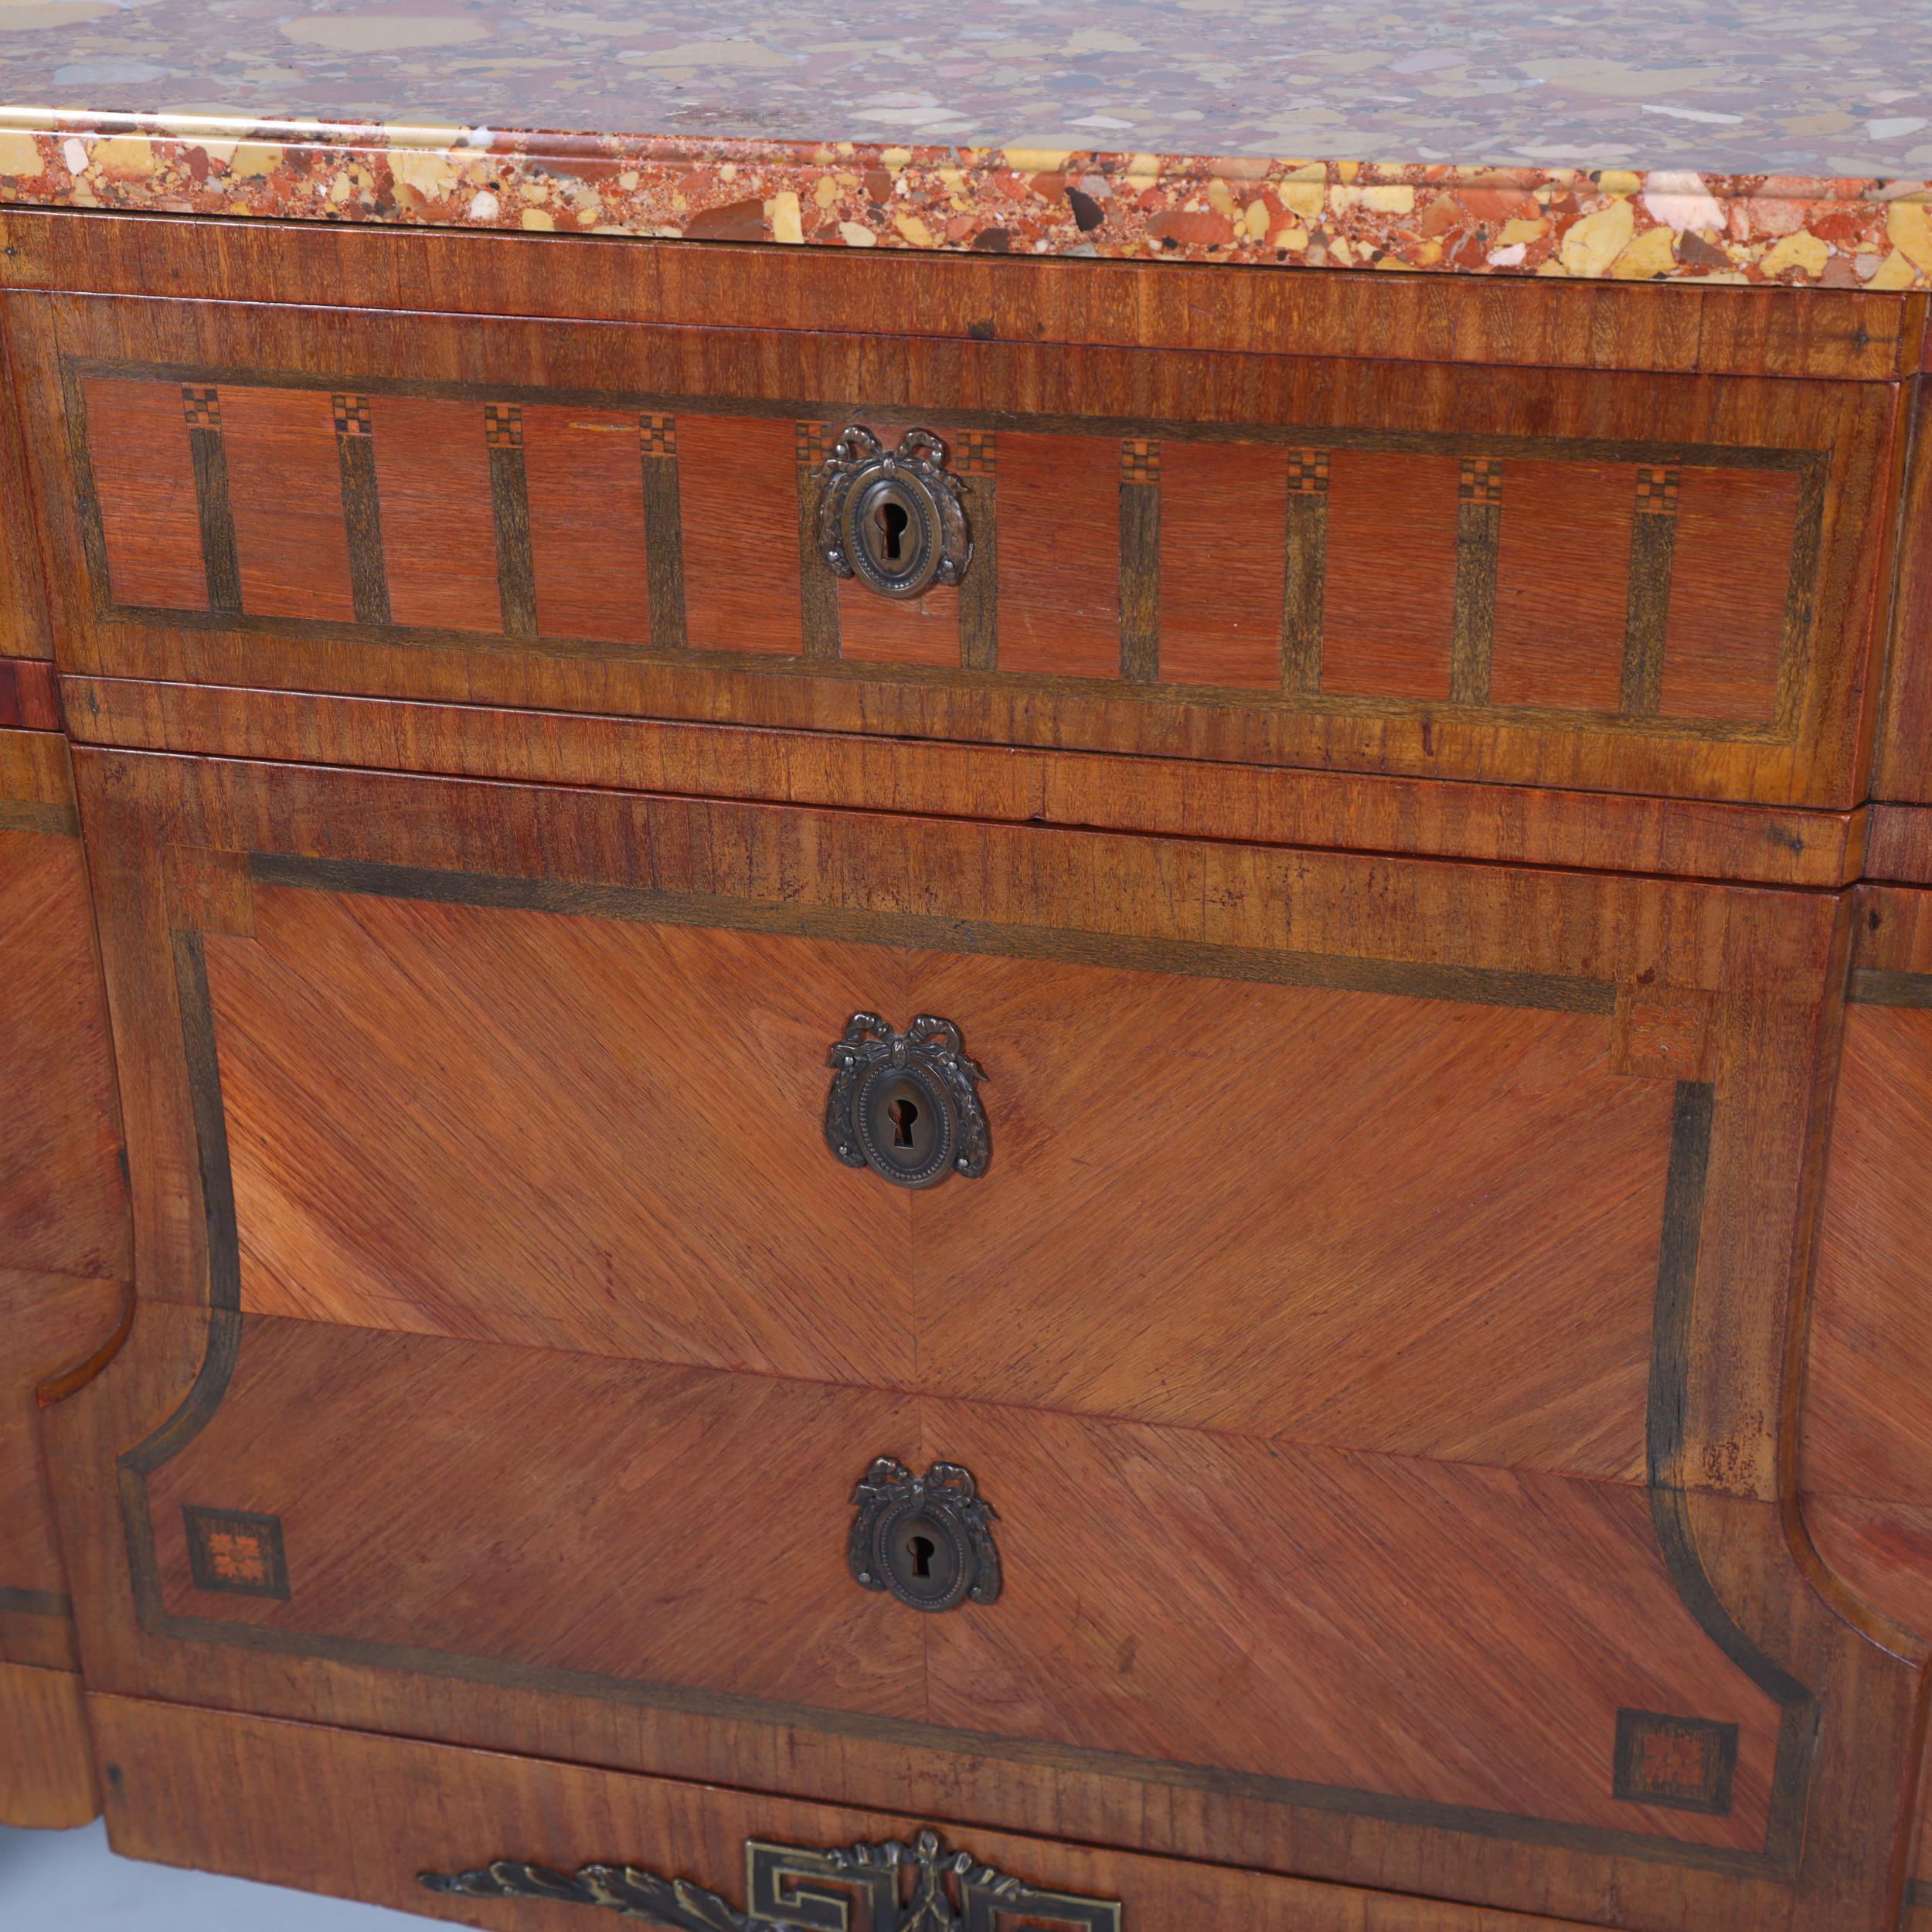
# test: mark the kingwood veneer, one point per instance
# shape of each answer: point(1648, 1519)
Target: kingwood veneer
point(1388, 808)
point(64, 1249)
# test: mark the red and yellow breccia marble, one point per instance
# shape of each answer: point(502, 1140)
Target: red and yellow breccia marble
point(1619, 223)
point(1651, 140)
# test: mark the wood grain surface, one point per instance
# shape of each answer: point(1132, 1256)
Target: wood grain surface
point(1866, 1465)
point(64, 1256)
point(622, 1133)
point(29, 694)
point(1523, 824)
point(23, 605)
point(1713, 1022)
point(62, 1198)
point(277, 1801)
point(1607, 325)
point(1124, 1550)
point(1543, 942)
point(1387, 1330)
point(64, 1231)
point(1182, 1226)
point(1903, 766)
point(47, 1780)
point(51, 1322)
point(642, 1172)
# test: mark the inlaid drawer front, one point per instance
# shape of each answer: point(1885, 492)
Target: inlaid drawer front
point(427, 1828)
point(1366, 1291)
point(1655, 583)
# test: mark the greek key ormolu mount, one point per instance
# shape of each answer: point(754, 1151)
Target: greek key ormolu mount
point(896, 1887)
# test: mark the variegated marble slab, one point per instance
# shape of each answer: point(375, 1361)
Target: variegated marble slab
point(1760, 140)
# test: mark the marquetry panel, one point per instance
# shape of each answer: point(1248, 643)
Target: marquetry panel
point(1181, 1596)
point(1059, 581)
point(626, 1058)
point(1564, 585)
point(144, 482)
point(1866, 1451)
point(203, 1786)
point(546, 1509)
point(285, 493)
point(672, 1197)
point(1867, 1419)
point(1515, 1194)
point(1657, 592)
point(1488, 581)
point(651, 1527)
point(586, 472)
point(436, 535)
point(1732, 585)
point(1223, 566)
point(739, 516)
point(519, 1031)
point(380, 1203)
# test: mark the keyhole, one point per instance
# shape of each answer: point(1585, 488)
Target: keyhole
point(902, 1114)
point(921, 1548)
point(892, 521)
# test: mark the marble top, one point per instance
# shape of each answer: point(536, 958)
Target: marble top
point(1656, 139)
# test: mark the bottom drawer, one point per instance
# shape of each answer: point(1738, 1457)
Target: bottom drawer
point(367, 1818)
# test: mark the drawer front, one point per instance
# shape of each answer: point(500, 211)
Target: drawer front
point(63, 1254)
point(396, 1811)
point(1660, 584)
point(1866, 1465)
point(1375, 1292)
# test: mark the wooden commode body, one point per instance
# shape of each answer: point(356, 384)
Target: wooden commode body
point(1129, 1060)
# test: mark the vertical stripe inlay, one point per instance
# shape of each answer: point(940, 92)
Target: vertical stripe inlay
point(362, 508)
point(1141, 561)
point(1478, 531)
point(201, 406)
point(1304, 567)
point(510, 502)
point(1653, 544)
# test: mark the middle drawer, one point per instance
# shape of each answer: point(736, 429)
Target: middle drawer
point(532, 1282)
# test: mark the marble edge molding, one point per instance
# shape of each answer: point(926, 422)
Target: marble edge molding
point(1579, 223)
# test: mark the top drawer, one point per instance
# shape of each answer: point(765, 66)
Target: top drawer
point(1651, 583)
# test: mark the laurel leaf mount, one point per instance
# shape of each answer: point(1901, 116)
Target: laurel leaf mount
point(622, 1888)
point(919, 1887)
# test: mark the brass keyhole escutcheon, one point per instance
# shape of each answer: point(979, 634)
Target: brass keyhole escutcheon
point(895, 520)
point(905, 1104)
point(927, 1540)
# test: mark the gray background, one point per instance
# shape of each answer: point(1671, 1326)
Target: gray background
point(70, 1882)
